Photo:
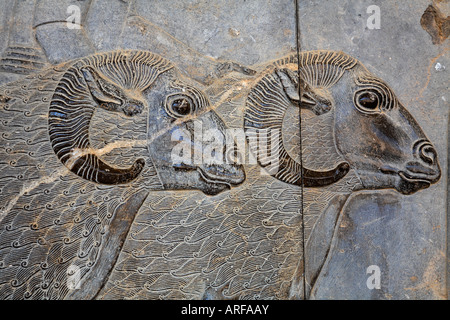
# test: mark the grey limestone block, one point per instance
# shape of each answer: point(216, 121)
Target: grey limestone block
point(224, 149)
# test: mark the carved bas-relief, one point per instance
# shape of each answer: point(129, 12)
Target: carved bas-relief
point(355, 134)
point(83, 144)
point(247, 243)
point(90, 201)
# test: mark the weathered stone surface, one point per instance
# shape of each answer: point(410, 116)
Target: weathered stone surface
point(407, 235)
point(94, 206)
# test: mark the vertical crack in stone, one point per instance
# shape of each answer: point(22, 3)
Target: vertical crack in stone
point(298, 46)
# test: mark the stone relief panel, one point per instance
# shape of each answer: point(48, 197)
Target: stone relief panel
point(153, 158)
point(403, 235)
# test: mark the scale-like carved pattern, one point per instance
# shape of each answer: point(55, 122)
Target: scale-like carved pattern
point(243, 245)
point(51, 221)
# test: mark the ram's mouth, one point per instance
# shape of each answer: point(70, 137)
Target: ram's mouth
point(214, 185)
point(410, 184)
point(230, 175)
point(222, 175)
point(218, 178)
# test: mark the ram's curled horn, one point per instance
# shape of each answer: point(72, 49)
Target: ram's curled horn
point(277, 91)
point(106, 81)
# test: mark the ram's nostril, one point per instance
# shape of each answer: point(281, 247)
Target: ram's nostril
point(427, 153)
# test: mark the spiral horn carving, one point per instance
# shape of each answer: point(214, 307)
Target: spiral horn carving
point(269, 99)
point(99, 81)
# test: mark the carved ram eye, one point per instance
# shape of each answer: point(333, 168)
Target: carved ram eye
point(179, 106)
point(367, 101)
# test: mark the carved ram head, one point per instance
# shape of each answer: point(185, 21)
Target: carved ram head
point(372, 132)
point(130, 82)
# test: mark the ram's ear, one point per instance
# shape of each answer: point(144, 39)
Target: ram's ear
point(311, 99)
point(105, 92)
point(289, 80)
